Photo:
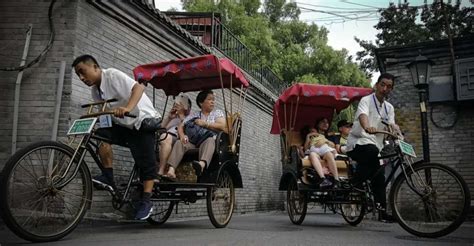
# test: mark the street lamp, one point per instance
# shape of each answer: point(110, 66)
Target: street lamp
point(420, 70)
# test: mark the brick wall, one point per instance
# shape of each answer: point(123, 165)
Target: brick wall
point(39, 84)
point(452, 147)
point(88, 28)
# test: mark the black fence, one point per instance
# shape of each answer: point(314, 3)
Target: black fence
point(208, 28)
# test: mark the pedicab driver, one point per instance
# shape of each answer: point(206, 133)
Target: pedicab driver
point(364, 146)
point(138, 133)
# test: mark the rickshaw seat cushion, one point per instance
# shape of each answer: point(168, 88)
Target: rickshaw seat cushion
point(341, 166)
point(294, 138)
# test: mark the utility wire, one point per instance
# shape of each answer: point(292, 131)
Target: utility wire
point(332, 7)
point(46, 49)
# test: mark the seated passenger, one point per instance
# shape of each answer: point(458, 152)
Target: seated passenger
point(340, 140)
point(207, 117)
point(181, 108)
point(314, 147)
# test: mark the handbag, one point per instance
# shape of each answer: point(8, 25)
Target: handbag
point(196, 134)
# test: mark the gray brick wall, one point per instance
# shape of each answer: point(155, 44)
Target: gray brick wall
point(39, 84)
point(452, 147)
point(82, 28)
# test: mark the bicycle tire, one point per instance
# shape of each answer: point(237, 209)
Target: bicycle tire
point(33, 206)
point(221, 200)
point(297, 204)
point(353, 213)
point(444, 206)
point(161, 211)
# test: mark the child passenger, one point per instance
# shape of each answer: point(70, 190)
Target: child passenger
point(316, 146)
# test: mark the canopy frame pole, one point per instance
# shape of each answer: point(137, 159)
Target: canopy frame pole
point(296, 112)
point(164, 109)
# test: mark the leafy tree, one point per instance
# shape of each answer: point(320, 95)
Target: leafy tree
point(294, 50)
point(399, 25)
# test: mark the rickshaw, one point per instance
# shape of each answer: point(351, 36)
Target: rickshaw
point(46, 187)
point(427, 199)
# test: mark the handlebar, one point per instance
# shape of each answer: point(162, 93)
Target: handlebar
point(98, 103)
point(105, 113)
point(387, 133)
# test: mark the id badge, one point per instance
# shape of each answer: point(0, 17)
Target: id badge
point(105, 121)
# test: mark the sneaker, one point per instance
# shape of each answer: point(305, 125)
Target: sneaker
point(325, 183)
point(101, 182)
point(144, 210)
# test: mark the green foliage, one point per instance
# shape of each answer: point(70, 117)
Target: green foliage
point(294, 50)
point(403, 25)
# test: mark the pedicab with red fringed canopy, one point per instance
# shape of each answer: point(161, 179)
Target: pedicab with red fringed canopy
point(46, 187)
point(222, 175)
point(427, 199)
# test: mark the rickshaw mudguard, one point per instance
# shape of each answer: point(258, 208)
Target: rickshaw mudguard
point(287, 176)
point(231, 167)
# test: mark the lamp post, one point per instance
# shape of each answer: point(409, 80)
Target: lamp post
point(420, 70)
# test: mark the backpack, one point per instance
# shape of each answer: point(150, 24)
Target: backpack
point(197, 134)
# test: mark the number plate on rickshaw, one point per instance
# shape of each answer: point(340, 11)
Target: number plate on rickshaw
point(407, 149)
point(82, 126)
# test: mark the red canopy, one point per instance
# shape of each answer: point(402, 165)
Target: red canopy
point(311, 102)
point(190, 74)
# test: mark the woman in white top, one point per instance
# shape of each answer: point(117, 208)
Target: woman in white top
point(181, 108)
point(207, 117)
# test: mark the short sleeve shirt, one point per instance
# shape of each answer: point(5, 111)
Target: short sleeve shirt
point(211, 118)
point(376, 112)
point(118, 85)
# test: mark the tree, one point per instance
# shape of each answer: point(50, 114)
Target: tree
point(294, 50)
point(398, 25)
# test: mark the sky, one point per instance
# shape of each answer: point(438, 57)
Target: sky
point(341, 30)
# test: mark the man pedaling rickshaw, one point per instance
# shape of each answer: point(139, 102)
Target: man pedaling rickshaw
point(364, 146)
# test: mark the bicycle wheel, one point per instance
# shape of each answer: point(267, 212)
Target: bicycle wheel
point(34, 207)
point(161, 211)
point(221, 200)
point(296, 203)
point(432, 202)
point(353, 212)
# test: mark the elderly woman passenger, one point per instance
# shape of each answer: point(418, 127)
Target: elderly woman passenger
point(181, 108)
point(208, 117)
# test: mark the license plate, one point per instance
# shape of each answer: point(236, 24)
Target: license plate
point(407, 149)
point(82, 126)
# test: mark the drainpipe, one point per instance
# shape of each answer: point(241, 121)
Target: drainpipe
point(59, 95)
point(17, 88)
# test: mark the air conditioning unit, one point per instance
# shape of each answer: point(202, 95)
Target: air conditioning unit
point(465, 79)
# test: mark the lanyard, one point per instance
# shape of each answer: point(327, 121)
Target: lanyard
point(377, 107)
point(100, 93)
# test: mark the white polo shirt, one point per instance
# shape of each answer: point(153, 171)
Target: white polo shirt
point(118, 85)
point(376, 112)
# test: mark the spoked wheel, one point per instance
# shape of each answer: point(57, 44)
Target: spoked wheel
point(161, 211)
point(297, 204)
point(37, 204)
point(353, 212)
point(432, 202)
point(221, 200)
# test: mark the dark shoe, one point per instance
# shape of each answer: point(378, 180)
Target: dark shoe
point(197, 168)
point(144, 210)
point(325, 183)
point(385, 218)
point(101, 182)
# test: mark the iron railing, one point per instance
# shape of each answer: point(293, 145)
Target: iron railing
point(208, 28)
